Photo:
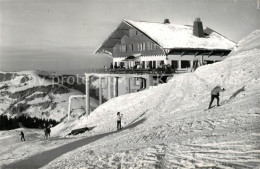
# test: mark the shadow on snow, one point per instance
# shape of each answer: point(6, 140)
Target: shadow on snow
point(42, 159)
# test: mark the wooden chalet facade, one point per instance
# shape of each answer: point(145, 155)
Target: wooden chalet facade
point(149, 45)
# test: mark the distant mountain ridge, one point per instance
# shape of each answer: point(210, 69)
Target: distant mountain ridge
point(37, 94)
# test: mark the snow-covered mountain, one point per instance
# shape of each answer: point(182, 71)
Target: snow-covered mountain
point(36, 94)
point(166, 126)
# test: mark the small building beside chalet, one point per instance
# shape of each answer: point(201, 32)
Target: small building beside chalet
point(149, 45)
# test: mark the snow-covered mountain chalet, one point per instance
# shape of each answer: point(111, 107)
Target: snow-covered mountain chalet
point(151, 44)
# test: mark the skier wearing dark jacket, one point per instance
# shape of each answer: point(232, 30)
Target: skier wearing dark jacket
point(215, 94)
point(22, 136)
point(119, 118)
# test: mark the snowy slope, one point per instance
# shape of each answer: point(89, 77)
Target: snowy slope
point(167, 127)
point(248, 43)
point(28, 93)
point(13, 149)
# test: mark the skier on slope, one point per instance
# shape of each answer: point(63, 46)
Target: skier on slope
point(22, 136)
point(49, 131)
point(119, 119)
point(215, 94)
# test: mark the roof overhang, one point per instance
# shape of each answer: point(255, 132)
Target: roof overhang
point(115, 38)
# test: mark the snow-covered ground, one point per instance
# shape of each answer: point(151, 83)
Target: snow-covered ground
point(173, 130)
point(13, 149)
point(166, 126)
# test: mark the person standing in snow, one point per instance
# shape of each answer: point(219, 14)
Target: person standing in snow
point(45, 131)
point(22, 136)
point(215, 94)
point(49, 131)
point(119, 119)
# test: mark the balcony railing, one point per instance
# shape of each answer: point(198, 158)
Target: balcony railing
point(129, 71)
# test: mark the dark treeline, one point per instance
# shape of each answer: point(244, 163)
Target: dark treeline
point(24, 121)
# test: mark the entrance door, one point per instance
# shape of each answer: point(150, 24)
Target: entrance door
point(175, 64)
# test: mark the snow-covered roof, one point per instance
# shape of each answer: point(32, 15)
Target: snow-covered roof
point(168, 36)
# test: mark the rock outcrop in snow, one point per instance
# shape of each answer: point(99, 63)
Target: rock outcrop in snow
point(167, 127)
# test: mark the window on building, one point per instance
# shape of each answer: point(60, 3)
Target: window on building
point(140, 46)
point(123, 48)
point(122, 64)
point(151, 46)
point(115, 65)
point(148, 46)
point(143, 46)
point(185, 64)
point(161, 62)
point(209, 61)
point(132, 47)
point(143, 64)
point(154, 64)
point(150, 64)
point(175, 64)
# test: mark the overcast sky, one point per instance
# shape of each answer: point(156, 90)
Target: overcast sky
point(61, 35)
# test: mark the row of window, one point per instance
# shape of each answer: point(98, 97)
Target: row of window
point(175, 64)
point(187, 63)
point(154, 65)
point(139, 47)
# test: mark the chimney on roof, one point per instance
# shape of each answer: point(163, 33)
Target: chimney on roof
point(198, 28)
point(166, 21)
